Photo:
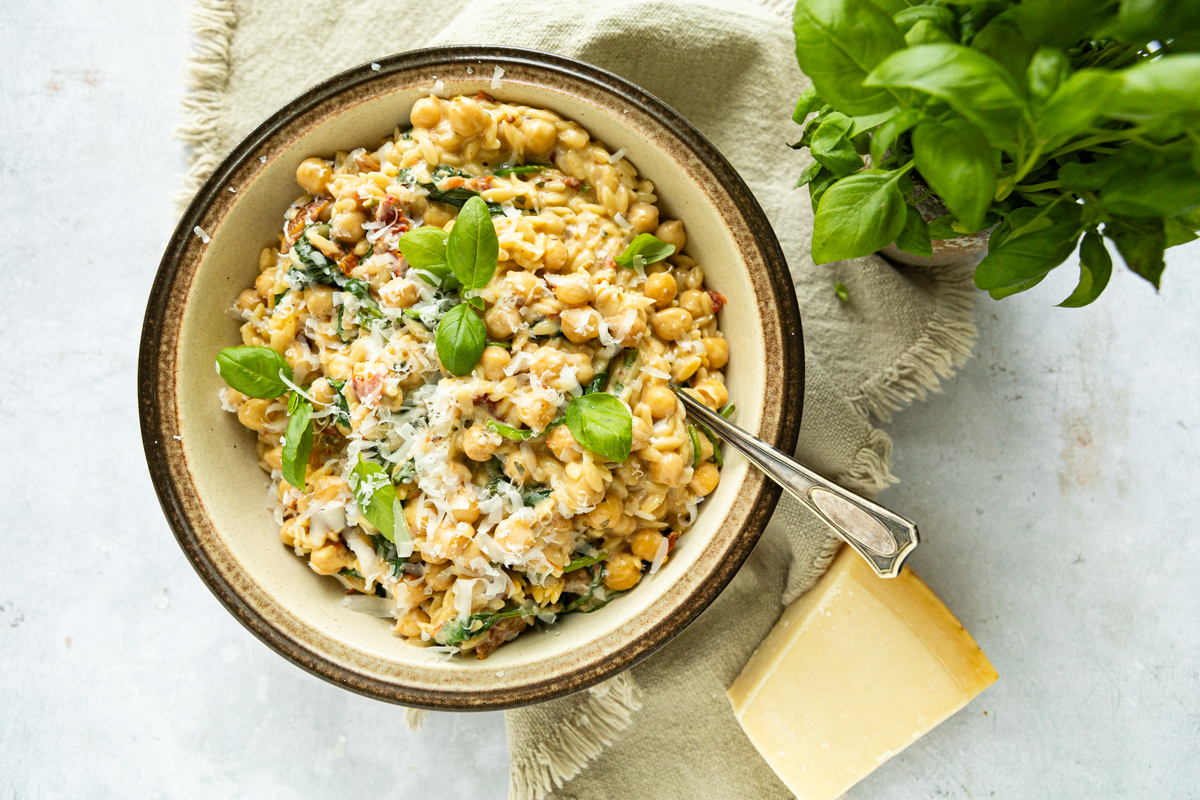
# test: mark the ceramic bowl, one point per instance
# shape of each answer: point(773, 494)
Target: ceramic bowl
point(203, 462)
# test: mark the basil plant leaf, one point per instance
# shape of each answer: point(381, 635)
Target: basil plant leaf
point(1141, 243)
point(858, 215)
point(254, 371)
point(975, 85)
point(645, 249)
point(810, 172)
point(927, 32)
point(425, 251)
point(1163, 191)
point(1157, 89)
point(832, 148)
point(298, 441)
point(1074, 106)
point(838, 42)
point(915, 236)
point(958, 163)
point(472, 248)
point(601, 423)
point(377, 501)
point(809, 102)
point(461, 338)
point(1047, 71)
point(941, 16)
point(1021, 259)
point(1095, 268)
point(885, 137)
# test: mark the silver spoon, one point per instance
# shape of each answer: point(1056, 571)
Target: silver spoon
point(882, 538)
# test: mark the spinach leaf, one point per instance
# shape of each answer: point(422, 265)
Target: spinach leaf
point(973, 84)
point(536, 496)
point(832, 148)
point(459, 197)
point(461, 338)
point(425, 251)
point(1141, 243)
point(584, 561)
point(646, 248)
point(377, 501)
point(368, 308)
point(472, 247)
point(511, 433)
point(1095, 268)
point(523, 169)
point(695, 437)
point(254, 371)
point(601, 423)
point(838, 42)
point(957, 162)
point(858, 215)
point(915, 236)
point(341, 413)
point(455, 631)
point(316, 267)
point(298, 441)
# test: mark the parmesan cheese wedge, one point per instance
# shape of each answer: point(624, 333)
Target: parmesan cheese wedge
point(856, 670)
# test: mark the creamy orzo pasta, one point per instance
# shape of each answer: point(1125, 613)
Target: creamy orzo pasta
point(458, 360)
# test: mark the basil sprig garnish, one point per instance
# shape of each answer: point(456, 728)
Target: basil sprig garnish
point(377, 501)
point(254, 371)
point(425, 251)
point(461, 338)
point(298, 441)
point(602, 424)
point(646, 248)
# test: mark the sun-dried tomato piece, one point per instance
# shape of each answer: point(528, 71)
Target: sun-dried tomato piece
point(718, 299)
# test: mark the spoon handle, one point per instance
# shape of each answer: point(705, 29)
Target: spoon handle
point(882, 538)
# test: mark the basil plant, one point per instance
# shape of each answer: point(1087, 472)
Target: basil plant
point(1054, 123)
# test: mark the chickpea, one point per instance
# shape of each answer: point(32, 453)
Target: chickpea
point(331, 559)
point(641, 434)
point(479, 444)
point(540, 135)
point(645, 543)
point(494, 360)
point(253, 414)
point(348, 226)
point(636, 327)
point(718, 351)
point(399, 293)
point(643, 217)
point(660, 399)
point(704, 480)
point(502, 321)
point(319, 300)
point(712, 393)
point(274, 458)
point(580, 324)
point(607, 513)
point(322, 391)
point(576, 291)
point(288, 531)
point(696, 302)
point(556, 254)
point(671, 323)
point(622, 571)
point(426, 113)
point(440, 577)
point(672, 232)
point(661, 288)
point(467, 118)
point(313, 175)
point(563, 444)
point(409, 624)
point(667, 470)
point(463, 506)
point(536, 413)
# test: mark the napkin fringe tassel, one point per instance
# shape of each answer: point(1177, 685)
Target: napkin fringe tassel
point(946, 345)
point(600, 719)
point(206, 75)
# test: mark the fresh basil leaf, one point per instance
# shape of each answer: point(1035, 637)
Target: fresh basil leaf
point(425, 251)
point(858, 215)
point(1017, 288)
point(838, 42)
point(1023, 258)
point(1074, 106)
point(1048, 70)
point(1165, 190)
point(376, 499)
point(915, 236)
point(1141, 243)
point(645, 249)
point(943, 228)
point(887, 134)
point(941, 16)
point(842, 293)
point(958, 163)
point(808, 102)
point(1157, 89)
point(472, 247)
point(522, 169)
point(808, 174)
point(1177, 232)
point(976, 86)
point(1095, 268)
point(819, 185)
point(869, 122)
point(1001, 39)
point(1149, 20)
point(511, 433)
point(297, 442)
point(927, 32)
point(461, 338)
point(254, 371)
point(1061, 23)
point(601, 423)
point(832, 148)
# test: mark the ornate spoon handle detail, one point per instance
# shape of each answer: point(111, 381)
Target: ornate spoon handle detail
point(882, 538)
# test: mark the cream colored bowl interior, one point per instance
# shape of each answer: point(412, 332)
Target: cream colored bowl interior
point(220, 455)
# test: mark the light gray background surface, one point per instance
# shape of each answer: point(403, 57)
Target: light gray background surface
point(1055, 482)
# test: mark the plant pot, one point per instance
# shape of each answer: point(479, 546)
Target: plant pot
point(968, 249)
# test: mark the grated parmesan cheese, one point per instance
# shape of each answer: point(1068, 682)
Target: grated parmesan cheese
point(497, 74)
point(660, 556)
point(617, 156)
point(203, 234)
point(374, 67)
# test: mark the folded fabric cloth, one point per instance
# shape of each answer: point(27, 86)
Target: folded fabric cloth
point(664, 729)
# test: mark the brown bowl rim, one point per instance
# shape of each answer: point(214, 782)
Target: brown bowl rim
point(155, 434)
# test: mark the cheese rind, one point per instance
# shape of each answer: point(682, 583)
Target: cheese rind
point(856, 670)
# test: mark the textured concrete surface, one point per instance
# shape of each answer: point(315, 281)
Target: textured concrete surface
point(1054, 482)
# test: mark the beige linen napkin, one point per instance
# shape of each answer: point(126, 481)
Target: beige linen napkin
point(664, 729)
